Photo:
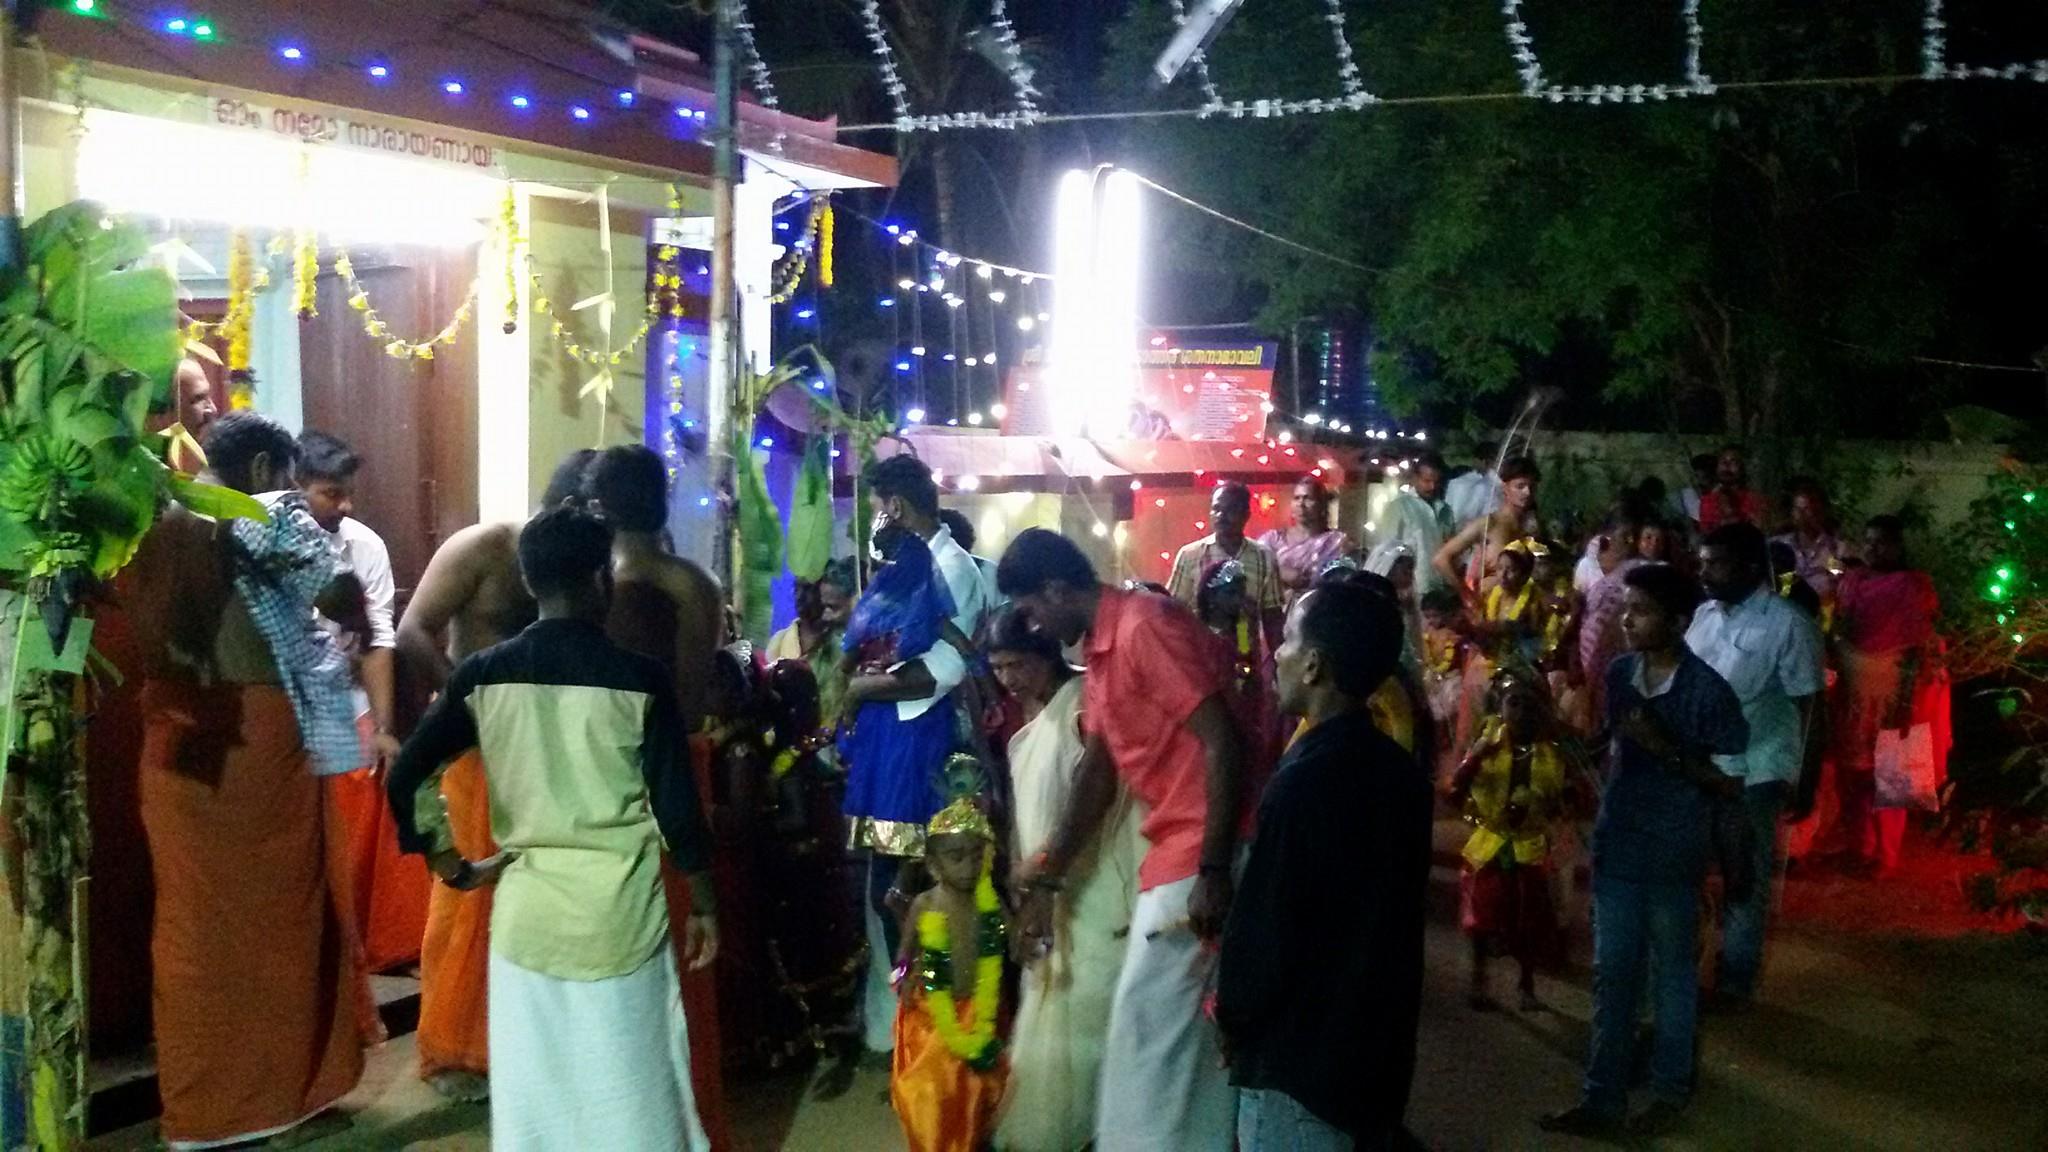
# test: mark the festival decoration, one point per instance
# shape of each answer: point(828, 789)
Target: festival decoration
point(510, 240)
point(1355, 94)
point(1697, 82)
point(826, 224)
point(892, 82)
point(1934, 63)
point(1013, 59)
point(757, 68)
point(305, 274)
point(1200, 59)
point(89, 331)
point(374, 327)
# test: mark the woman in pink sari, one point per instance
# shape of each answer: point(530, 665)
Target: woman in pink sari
point(1891, 679)
point(1307, 546)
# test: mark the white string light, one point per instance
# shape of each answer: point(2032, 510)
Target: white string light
point(892, 82)
point(1013, 59)
point(1210, 97)
point(1347, 67)
point(764, 84)
point(1523, 47)
point(1934, 63)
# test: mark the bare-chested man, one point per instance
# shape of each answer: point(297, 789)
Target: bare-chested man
point(1485, 537)
point(665, 607)
point(470, 598)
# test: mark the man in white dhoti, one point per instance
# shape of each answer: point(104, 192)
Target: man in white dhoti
point(589, 780)
point(1156, 719)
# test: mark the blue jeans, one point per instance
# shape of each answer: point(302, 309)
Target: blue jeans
point(1642, 931)
point(1270, 1121)
point(1742, 924)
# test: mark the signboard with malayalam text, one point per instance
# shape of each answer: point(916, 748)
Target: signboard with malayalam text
point(333, 127)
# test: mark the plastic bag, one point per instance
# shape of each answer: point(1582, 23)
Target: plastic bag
point(1906, 776)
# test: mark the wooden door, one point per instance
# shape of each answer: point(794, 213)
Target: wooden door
point(412, 421)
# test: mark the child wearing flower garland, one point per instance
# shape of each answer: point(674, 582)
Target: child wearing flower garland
point(949, 1072)
point(1513, 790)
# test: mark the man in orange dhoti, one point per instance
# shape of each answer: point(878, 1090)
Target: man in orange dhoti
point(387, 890)
point(260, 1012)
point(470, 598)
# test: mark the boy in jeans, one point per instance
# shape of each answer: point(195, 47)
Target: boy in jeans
point(1670, 714)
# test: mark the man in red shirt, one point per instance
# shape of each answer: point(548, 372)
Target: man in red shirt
point(1732, 498)
point(1155, 715)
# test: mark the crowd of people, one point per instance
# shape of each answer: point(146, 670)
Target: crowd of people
point(1097, 865)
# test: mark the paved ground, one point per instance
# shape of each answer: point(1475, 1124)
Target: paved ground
point(1882, 1027)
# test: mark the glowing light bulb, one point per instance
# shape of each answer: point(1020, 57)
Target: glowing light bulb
point(1026, 323)
point(999, 410)
point(1101, 530)
point(915, 415)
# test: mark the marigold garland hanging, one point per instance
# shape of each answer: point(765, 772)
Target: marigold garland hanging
point(509, 237)
point(826, 223)
point(245, 279)
point(798, 263)
point(305, 273)
point(559, 330)
point(374, 327)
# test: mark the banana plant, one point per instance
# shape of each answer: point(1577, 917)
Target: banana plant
point(89, 344)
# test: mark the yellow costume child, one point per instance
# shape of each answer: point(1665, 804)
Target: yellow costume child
point(949, 1069)
point(1513, 785)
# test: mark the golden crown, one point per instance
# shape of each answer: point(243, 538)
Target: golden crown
point(962, 818)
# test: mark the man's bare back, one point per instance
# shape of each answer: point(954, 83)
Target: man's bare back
point(470, 597)
point(699, 621)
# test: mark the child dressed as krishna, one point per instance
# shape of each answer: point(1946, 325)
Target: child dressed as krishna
point(949, 1068)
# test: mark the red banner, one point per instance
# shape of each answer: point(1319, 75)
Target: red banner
point(1212, 391)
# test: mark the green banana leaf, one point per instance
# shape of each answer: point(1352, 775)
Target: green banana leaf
point(216, 501)
point(810, 513)
point(760, 539)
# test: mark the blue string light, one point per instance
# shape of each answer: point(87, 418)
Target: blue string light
point(522, 102)
point(379, 72)
point(625, 98)
point(292, 52)
point(580, 112)
point(452, 87)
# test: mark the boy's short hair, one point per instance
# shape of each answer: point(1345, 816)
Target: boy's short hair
point(326, 457)
point(1676, 595)
point(562, 548)
point(237, 438)
point(1441, 600)
point(1520, 468)
point(907, 478)
point(1357, 631)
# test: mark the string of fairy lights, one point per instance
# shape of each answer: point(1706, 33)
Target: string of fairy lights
point(954, 321)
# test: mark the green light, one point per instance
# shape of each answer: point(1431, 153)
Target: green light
point(1998, 591)
point(2029, 497)
point(2005, 573)
point(2018, 638)
point(2010, 526)
point(2001, 617)
point(84, 7)
point(202, 31)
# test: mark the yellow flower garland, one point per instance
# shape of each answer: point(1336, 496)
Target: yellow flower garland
point(374, 327)
point(509, 237)
point(825, 225)
point(976, 1044)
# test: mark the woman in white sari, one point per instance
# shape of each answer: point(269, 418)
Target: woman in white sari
point(1063, 1015)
